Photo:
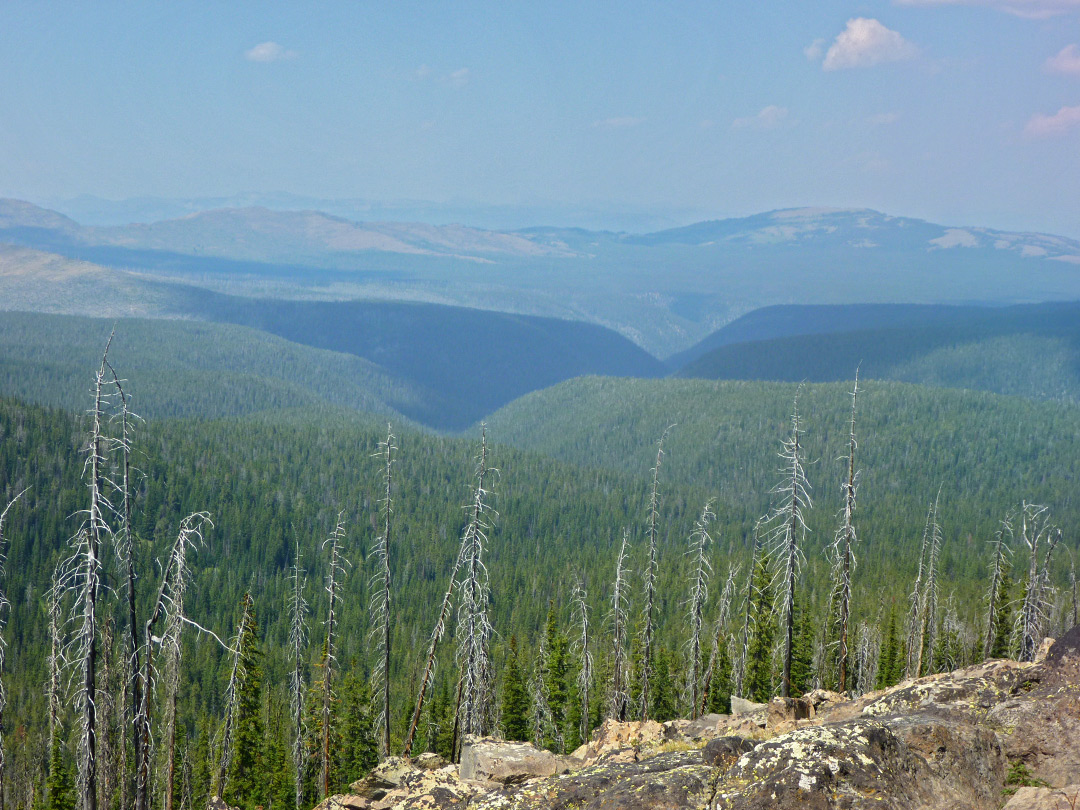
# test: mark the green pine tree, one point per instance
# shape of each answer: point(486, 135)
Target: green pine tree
point(60, 784)
point(719, 697)
point(246, 786)
point(359, 750)
point(763, 627)
point(515, 697)
point(890, 660)
point(554, 672)
point(802, 655)
point(664, 706)
point(1003, 617)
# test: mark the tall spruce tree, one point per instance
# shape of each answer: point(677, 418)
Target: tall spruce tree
point(515, 697)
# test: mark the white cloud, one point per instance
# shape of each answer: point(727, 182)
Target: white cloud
point(769, 118)
point(1046, 126)
point(866, 42)
point(814, 50)
point(421, 72)
point(459, 78)
point(268, 52)
point(1030, 9)
point(618, 122)
point(882, 119)
point(1067, 61)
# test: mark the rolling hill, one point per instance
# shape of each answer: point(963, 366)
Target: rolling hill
point(1030, 350)
point(664, 290)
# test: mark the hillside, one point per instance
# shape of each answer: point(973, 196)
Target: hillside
point(664, 290)
point(192, 369)
point(987, 452)
point(1031, 350)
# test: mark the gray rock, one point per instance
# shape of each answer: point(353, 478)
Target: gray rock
point(508, 763)
point(723, 751)
point(743, 706)
point(1041, 798)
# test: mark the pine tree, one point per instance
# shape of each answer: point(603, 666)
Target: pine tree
point(60, 785)
point(890, 664)
point(358, 751)
point(720, 686)
point(802, 661)
point(758, 685)
point(554, 674)
point(515, 698)
point(664, 706)
point(246, 786)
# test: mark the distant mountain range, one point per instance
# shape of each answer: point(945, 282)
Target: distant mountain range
point(663, 290)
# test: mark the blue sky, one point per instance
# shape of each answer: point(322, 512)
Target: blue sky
point(958, 112)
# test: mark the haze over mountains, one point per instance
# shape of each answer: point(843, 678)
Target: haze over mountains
point(663, 290)
point(454, 322)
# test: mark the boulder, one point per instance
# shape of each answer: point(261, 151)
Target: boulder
point(743, 706)
point(619, 741)
point(345, 801)
point(723, 751)
point(1041, 798)
point(493, 760)
point(670, 781)
point(429, 761)
point(782, 714)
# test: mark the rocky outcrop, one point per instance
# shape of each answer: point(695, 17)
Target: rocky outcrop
point(946, 741)
point(1040, 798)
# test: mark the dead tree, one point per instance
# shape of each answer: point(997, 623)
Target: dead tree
point(1035, 531)
point(5, 608)
point(170, 610)
point(474, 628)
point(298, 610)
point(433, 645)
point(928, 626)
point(618, 617)
point(1073, 588)
point(748, 601)
point(999, 566)
point(652, 531)
point(380, 598)
point(699, 594)
point(843, 549)
point(915, 611)
point(237, 676)
point(81, 576)
point(789, 525)
point(720, 634)
point(333, 584)
point(54, 688)
point(580, 617)
point(123, 542)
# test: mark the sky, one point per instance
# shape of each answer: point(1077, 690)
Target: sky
point(963, 112)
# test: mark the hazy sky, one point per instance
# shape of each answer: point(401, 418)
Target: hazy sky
point(959, 112)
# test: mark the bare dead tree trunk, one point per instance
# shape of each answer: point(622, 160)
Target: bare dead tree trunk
point(618, 616)
point(429, 666)
point(126, 551)
point(5, 607)
point(650, 577)
point(380, 599)
point(237, 675)
point(474, 628)
point(297, 645)
point(844, 548)
point(998, 564)
point(795, 498)
point(744, 653)
point(915, 612)
point(699, 594)
point(333, 583)
point(929, 600)
point(585, 673)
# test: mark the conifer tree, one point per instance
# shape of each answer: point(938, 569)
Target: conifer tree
point(5, 607)
point(761, 635)
point(890, 670)
point(664, 705)
point(298, 611)
point(554, 672)
point(515, 697)
point(717, 686)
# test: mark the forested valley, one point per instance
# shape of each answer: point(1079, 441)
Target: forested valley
point(263, 606)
